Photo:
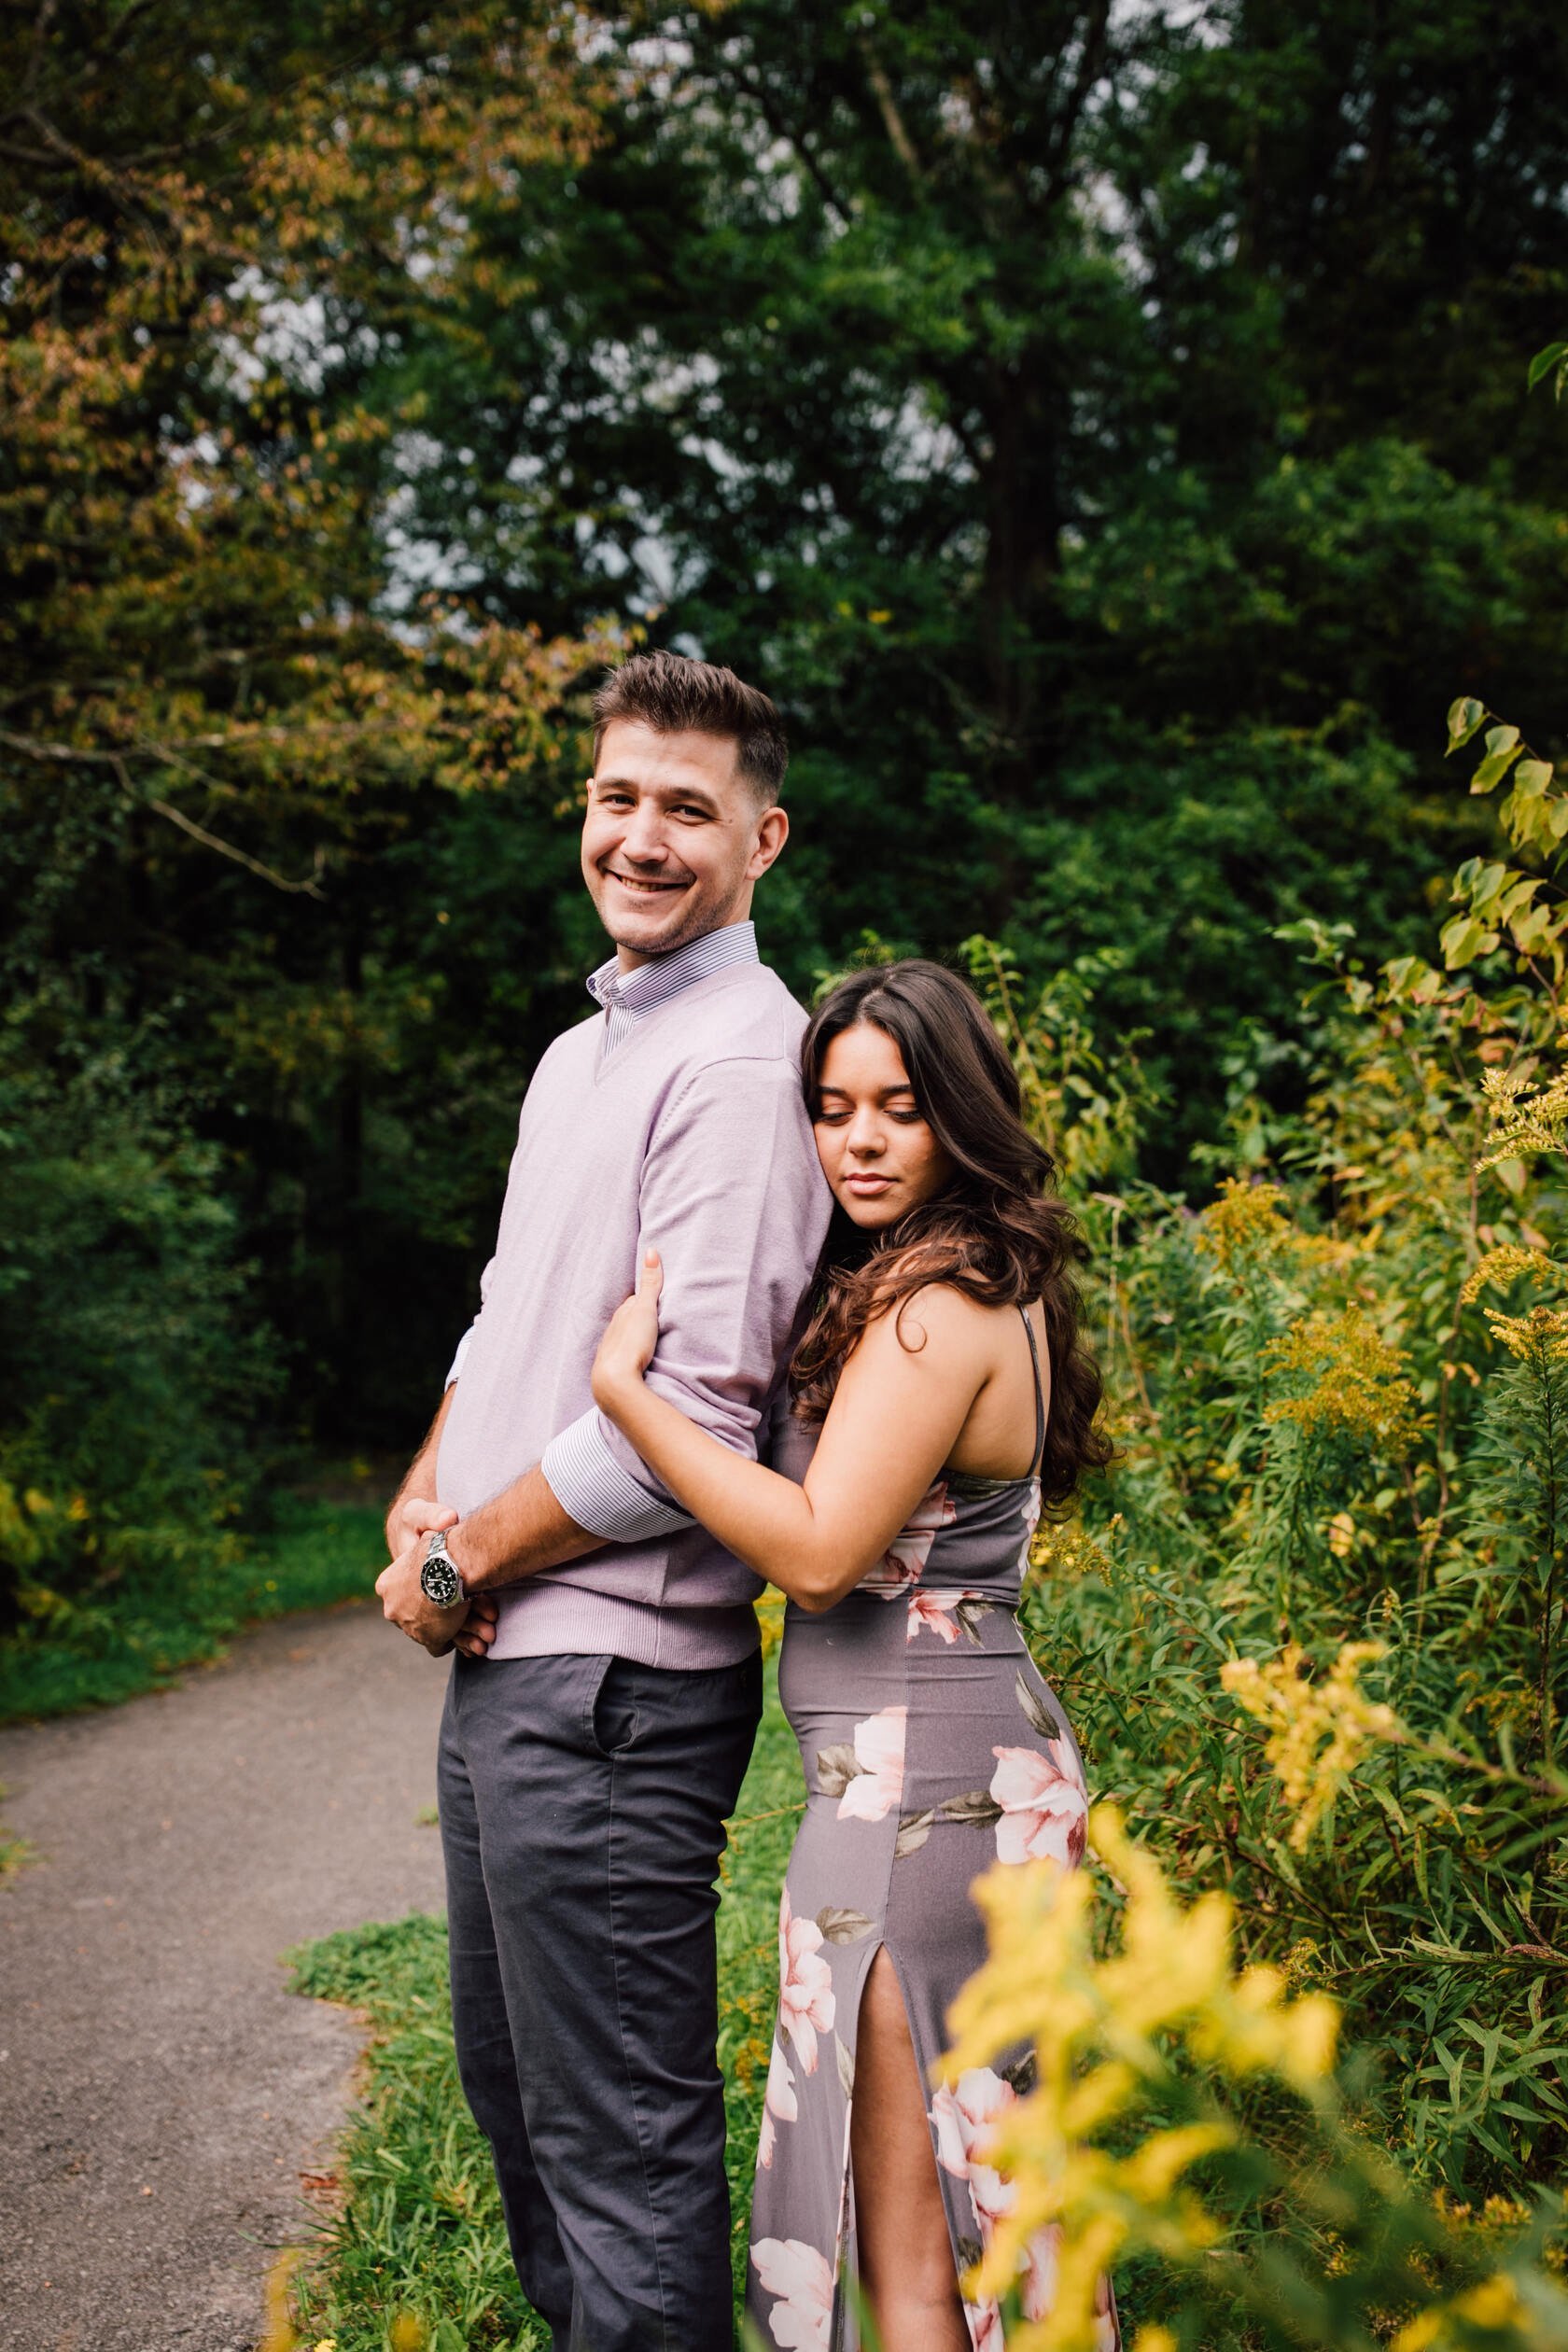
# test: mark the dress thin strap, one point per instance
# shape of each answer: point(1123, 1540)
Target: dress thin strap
point(1039, 1396)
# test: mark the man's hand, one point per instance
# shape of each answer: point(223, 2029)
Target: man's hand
point(403, 1601)
point(477, 1632)
point(416, 1515)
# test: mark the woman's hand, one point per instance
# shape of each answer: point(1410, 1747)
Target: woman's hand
point(626, 1350)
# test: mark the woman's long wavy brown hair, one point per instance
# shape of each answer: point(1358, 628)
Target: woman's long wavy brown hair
point(997, 1232)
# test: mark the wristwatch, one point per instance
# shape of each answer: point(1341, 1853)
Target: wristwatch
point(438, 1579)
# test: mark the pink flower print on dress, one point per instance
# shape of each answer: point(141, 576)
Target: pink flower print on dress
point(1045, 1809)
point(1032, 1505)
point(879, 1784)
point(777, 2100)
point(935, 1610)
point(803, 2281)
point(985, 2327)
point(964, 2114)
point(903, 1562)
point(1038, 2268)
point(806, 1993)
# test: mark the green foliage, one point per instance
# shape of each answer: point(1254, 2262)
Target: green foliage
point(137, 1633)
point(1334, 1459)
point(232, 760)
point(1109, 514)
point(126, 1374)
point(419, 2230)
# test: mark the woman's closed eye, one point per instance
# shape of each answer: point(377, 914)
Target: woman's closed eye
point(901, 1114)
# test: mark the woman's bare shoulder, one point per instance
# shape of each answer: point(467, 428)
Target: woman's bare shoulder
point(942, 1313)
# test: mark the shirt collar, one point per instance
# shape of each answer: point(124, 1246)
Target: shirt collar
point(664, 976)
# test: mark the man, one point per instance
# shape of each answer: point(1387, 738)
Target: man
point(602, 1707)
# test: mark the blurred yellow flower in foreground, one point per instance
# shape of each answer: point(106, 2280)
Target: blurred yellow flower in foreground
point(1317, 1732)
point(1093, 2023)
point(1494, 2305)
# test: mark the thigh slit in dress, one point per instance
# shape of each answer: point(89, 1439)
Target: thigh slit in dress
point(932, 1748)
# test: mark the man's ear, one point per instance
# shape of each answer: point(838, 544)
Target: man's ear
point(772, 832)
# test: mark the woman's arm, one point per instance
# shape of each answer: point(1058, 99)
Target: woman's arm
point(898, 1409)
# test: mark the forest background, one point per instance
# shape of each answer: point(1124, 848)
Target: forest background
point(1105, 431)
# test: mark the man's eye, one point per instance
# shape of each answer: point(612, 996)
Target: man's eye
point(700, 814)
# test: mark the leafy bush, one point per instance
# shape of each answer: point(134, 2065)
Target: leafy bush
point(1311, 1633)
point(128, 1366)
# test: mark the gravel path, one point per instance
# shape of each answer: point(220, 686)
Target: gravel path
point(160, 2094)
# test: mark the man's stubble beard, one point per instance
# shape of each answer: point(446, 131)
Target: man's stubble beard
point(693, 925)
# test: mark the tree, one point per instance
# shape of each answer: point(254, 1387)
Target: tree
point(981, 380)
point(230, 739)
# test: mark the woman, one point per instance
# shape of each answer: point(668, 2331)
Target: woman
point(941, 1395)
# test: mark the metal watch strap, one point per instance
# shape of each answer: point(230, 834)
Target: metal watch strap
point(436, 1550)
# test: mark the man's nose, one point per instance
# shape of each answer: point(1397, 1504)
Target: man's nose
point(644, 836)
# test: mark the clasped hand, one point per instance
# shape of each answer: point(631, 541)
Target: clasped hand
point(468, 1624)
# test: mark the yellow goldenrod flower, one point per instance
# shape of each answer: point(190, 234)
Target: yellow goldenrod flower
point(1541, 1334)
point(1494, 2304)
point(1096, 2026)
point(1359, 1385)
point(1503, 1266)
point(1066, 1549)
point(1245, 1219)
point(769, 1606)
point(1524, 1117)
point(1303, 1715)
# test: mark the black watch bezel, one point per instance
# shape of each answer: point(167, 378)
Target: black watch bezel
point(438, 1579)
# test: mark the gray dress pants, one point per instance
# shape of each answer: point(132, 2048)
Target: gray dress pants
point(582, 1802)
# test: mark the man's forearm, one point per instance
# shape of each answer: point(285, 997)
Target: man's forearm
point(421, 1478)
point(516, 1534)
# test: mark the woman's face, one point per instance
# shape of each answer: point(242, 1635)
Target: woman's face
point(877, 1153)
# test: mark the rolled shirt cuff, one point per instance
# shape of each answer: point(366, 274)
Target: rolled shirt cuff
point(462, 1351)
point(597, 1491)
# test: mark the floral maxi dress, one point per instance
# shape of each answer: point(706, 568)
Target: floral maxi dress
point(931, 1749)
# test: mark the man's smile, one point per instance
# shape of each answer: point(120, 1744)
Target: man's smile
point(646, 883)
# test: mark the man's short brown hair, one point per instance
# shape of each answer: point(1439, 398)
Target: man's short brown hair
point(676, 696)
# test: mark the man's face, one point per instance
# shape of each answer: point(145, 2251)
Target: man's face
point(673, 838)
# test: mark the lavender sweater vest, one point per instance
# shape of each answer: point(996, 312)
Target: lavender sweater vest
point(691, 1136)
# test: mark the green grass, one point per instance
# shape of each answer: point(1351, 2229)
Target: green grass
point(418, 2254)
point(137, 1640)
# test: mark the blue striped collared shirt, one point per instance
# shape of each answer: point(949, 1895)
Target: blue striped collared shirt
point(628, 997)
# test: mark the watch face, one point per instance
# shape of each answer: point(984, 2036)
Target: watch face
point(438, 1580)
